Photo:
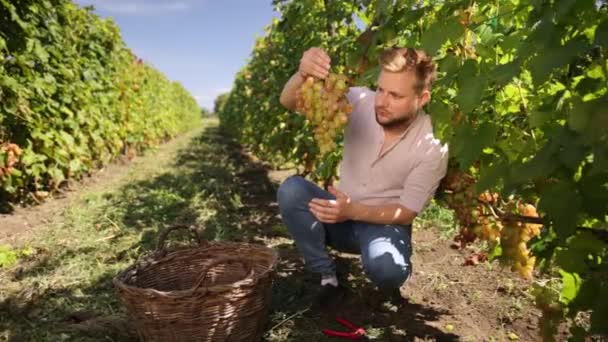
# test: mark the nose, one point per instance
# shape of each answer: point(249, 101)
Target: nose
point(380, 99)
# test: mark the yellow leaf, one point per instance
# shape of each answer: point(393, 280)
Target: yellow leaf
point(513, 337)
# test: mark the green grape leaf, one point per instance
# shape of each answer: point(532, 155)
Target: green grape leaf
point(544, 163)
point(471, 87)
point(440, 112)
point(449, 64)
point(433, 37)
point(538, 118)
point(468, 143)
point(546, 62)
point(504, 73)
point(470, 94)
point(370, 76)
point(580, 115)
point(489, 176)
point(594, 190)
point(590, 85)
point(453, 29)
point(571, 284)
point(574, 151)
point(562, 204)
point(577, 254)
point(601, 34)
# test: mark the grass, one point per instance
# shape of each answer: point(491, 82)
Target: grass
point(439, 217)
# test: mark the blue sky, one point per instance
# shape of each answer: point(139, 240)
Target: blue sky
point(200, 43)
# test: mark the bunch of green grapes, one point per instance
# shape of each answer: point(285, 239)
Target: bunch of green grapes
point(324, 104)
point(513, 236)
point(547, 299)
point(513, 240)
point(479, 221)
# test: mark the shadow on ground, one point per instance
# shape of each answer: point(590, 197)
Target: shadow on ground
point(384, 319)
point(215, 186)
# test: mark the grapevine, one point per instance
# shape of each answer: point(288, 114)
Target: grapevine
point(520, 99)
point(75, 98)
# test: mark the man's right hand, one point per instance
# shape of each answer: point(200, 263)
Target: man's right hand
point(315, 62)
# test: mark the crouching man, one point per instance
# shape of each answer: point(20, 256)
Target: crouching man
point(391, 168)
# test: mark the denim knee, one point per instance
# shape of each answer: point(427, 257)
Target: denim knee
point(385, 272)
point(291, 192)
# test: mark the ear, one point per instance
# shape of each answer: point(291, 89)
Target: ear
point(423, 99)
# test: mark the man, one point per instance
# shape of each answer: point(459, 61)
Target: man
point(390, 169)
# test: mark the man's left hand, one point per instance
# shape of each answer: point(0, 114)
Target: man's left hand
point(331, 211)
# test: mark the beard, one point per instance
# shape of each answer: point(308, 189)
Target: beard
point(391, 122)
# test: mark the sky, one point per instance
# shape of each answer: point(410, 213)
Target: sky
point(200, 43)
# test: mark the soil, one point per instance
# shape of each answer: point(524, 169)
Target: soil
point(23, 221)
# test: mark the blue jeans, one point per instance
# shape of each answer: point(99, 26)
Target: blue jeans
point(385, 249)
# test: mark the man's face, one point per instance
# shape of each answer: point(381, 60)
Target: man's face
point(396, 101)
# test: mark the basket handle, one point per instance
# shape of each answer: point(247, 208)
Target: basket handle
point(162, 237)
point(248, 265)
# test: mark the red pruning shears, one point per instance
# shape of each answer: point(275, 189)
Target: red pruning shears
point(355, 332)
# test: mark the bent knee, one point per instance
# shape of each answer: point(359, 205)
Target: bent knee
point(290, 192)
point(386, 273)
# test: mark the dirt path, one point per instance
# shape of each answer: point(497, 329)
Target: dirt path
point(209, 180)
point(24, 222)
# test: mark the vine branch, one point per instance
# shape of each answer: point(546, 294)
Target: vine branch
point(601, 233)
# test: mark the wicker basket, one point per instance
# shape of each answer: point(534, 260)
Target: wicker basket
point(216, 291)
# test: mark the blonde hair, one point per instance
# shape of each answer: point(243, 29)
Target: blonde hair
point(408, 59)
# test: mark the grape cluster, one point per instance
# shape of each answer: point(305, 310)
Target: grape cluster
point(478, 220)
point(513, 240)
point(547, 300)
point(9, 155)
point(324, 104)
point(460, 195)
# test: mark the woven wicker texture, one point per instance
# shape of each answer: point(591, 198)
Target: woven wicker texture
point(216, 291)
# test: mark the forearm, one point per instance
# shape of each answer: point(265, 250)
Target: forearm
point(288, 95)
point(381, 214)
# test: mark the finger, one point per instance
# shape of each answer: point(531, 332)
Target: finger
point(316, 56)
point(317, 208)
point(318, 72)
point(322, 63)
point(339, 194)
point(316, 216)
point(324, 210)
point(321, 54)
point(327, 219)
point(324, 218)
point(319, 211)
point(321, 202)
point(314, 69)
point(321, 66)
point(320, 75)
